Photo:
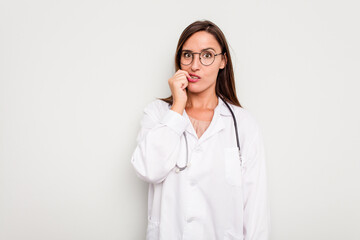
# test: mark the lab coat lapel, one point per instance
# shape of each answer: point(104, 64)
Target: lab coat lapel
point(216, 125)
point(190, 129)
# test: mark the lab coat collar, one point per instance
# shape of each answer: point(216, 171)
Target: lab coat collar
point(217, 123)
point(224, 109)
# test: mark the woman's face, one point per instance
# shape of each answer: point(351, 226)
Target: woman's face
point(207, 74)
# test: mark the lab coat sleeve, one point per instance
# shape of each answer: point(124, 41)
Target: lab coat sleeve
point(256, 205)
point(157, 139)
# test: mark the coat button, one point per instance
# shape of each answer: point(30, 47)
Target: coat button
point(197, 149)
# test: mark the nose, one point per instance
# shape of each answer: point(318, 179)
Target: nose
point(195, 65)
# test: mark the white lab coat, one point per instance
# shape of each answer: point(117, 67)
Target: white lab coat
point(214, 198)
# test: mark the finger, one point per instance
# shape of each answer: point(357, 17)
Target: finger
point(187, 74)
point(184, 75)
point(179, 72)
point(185, 83)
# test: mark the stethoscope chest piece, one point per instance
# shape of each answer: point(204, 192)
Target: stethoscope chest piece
point(178, 169)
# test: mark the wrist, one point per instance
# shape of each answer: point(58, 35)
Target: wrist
point(178, 108)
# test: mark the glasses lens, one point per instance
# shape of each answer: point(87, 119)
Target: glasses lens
point(186, 58)
point(207, 57)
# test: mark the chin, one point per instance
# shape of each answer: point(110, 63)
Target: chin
point(195, 89)
point(198, 88)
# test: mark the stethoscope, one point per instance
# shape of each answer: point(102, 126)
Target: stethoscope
point(178, 169)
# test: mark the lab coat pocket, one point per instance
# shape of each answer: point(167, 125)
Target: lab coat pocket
point(152, 232)
point(232, 166)
point(229, 236)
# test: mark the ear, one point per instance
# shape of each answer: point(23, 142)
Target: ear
point(223, 61)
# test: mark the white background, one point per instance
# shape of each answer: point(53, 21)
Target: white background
point(76, 75)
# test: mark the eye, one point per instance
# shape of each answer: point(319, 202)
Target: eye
point(207, 54)
point(186, 55)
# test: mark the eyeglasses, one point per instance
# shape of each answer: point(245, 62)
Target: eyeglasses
point(207, 57)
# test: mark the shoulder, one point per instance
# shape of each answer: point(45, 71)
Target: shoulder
point(249, 130)
point(156, 108)
point(246, 120)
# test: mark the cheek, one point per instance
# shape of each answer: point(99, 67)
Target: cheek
point(186, 68)
point(212, 73)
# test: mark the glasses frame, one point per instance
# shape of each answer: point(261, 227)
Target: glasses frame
point(216, 54)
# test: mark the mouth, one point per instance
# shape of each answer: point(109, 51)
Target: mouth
point(193, 77)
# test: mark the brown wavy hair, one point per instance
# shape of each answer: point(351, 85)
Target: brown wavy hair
point(225, 82)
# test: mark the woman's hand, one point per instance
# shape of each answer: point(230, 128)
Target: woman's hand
point(178, 83)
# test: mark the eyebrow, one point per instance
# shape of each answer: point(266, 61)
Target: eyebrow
point(201, 49)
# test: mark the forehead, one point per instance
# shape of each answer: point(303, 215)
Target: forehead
point(201, 40)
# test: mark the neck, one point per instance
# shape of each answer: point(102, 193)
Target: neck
point(202, 101)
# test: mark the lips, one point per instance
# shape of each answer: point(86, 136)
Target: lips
point(194, 78)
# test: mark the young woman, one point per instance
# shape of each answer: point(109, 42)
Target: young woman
point(200, 151)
